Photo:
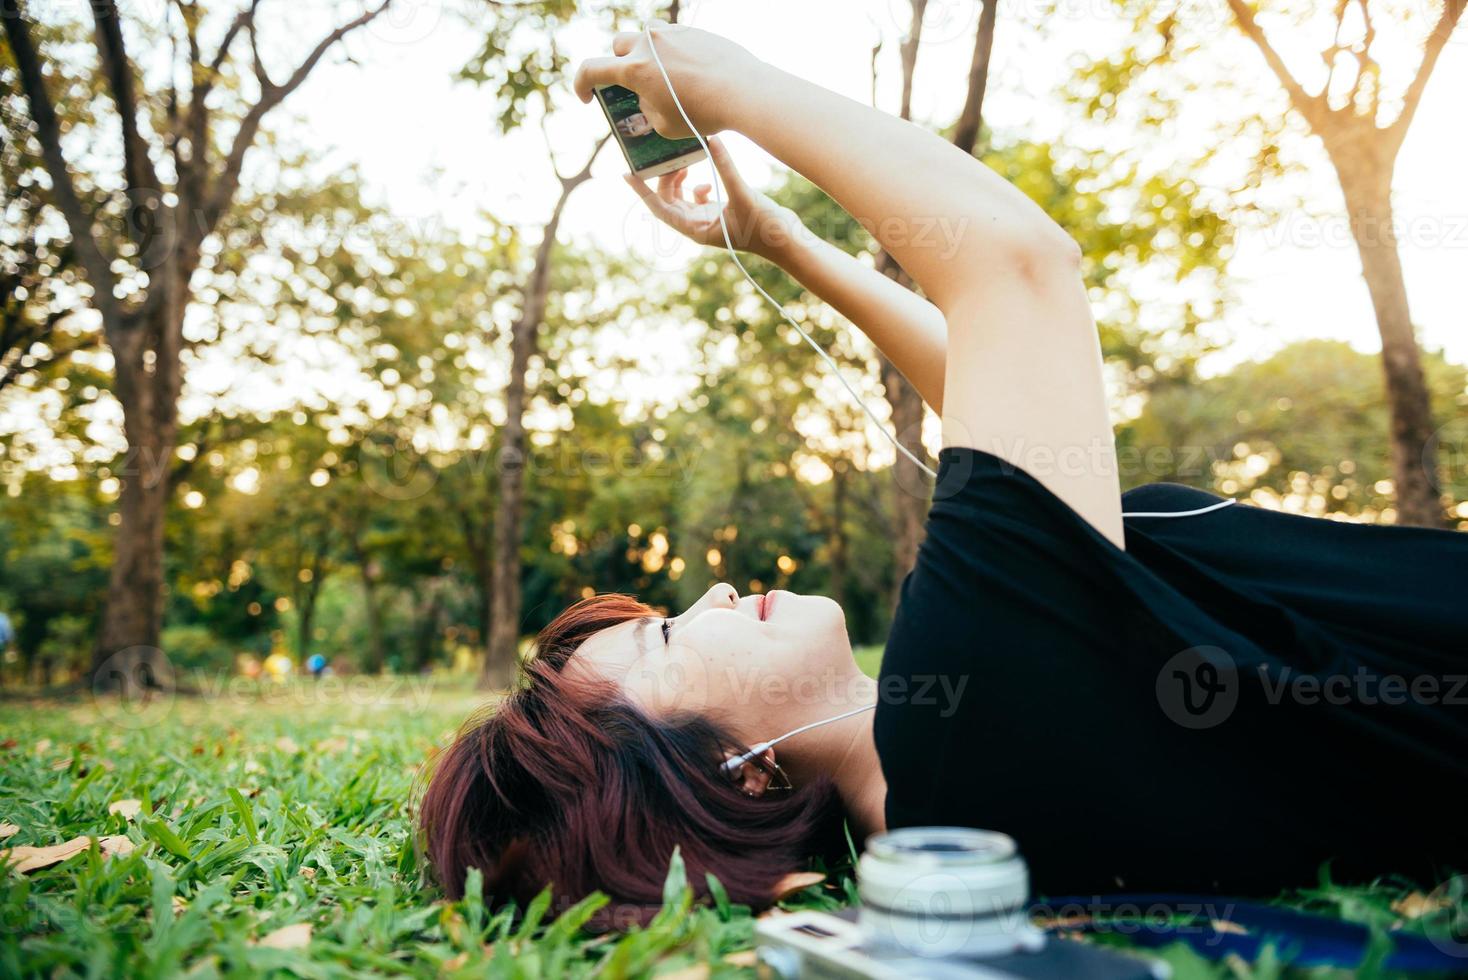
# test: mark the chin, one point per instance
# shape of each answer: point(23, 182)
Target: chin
point(816, 613)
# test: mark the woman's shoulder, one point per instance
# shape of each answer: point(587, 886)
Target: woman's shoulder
point(1167, 498)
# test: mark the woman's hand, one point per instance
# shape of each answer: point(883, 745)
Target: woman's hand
point(756, 223)
point(709, 72)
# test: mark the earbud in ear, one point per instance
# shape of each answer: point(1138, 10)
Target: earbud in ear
point(752, 779)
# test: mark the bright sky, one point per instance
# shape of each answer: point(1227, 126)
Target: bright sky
point(430, 154)
point(429, 146)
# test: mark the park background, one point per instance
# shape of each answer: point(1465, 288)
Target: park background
point(382, 371)
point(328, 329)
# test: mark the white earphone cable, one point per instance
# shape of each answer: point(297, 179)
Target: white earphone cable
point(734, 254)
point(740, 760)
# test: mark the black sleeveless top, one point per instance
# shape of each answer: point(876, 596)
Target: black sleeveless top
point(1235, 699)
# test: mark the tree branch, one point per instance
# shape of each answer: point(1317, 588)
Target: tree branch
point(1431, 50)
point(48, 131)
point(137, 165)
point(971, 118)
point(228, 182)
point(16, 342)
point(1314, 108)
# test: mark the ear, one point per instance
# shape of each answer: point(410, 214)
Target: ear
point(753, 780)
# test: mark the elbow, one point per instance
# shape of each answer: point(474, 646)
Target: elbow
point(1045, 253)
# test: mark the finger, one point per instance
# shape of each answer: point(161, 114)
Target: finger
point(661, 209)
point(625, 41)
point(595, 72)
point(640, 186)
point(724, 163)
point(678, 178)
point(667, 187)
point(701, 193)
point(649, 197)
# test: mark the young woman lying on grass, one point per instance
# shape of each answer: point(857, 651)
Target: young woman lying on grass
point(1151, 690)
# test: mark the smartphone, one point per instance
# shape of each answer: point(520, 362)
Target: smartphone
point(647, 153)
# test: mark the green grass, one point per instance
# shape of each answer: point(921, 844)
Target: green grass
point(262, 809)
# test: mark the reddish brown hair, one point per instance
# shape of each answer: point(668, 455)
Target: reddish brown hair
point(567, 783)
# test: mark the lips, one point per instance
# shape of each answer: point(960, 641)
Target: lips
point(762, 605)
point(766, 604)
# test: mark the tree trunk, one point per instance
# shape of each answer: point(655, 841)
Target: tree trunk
point(306, 617)
point(127, 656)
point(1367, 187)
point(502, 651)
point(971, 118)
point(909, 484)
point(376, 654)
point(840, 473)
point(484, 581)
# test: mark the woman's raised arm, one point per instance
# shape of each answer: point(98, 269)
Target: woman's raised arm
point(1023, 374)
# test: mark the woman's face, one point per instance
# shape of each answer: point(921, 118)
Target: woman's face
point(754, 663)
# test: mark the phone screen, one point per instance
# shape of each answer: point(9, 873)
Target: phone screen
point(644, 147)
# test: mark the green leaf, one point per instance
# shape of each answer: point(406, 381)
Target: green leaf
point(246, 814)
point(164, 834)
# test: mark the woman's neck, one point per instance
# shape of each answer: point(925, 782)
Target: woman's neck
point(846, 752)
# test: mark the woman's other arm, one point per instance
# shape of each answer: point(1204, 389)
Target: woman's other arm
point(908, 329)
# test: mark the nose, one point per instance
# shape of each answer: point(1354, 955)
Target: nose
point(721, 596)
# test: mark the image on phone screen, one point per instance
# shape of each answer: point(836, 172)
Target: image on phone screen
point(644, 148)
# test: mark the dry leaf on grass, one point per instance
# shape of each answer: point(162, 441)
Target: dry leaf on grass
point(796, 881)
point(287, 745)
point(1415, 905)
point(25, 859)
point(296, 936)
point(698, 971)
point(116, 844)
point(745, 957)
point(7, 829)
point(128, 808)
point(1228, 926)
point(43, 746)
point(334, 744)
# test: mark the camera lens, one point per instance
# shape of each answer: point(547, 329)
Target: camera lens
point(945, 891)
